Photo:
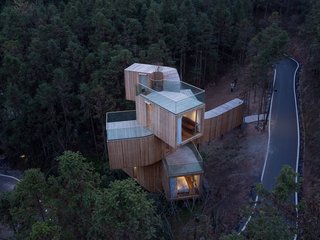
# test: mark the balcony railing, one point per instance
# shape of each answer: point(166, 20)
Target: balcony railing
point(121, 116)
point(123, 125)
point(174, 96)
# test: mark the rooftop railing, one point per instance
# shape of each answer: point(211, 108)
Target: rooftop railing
point(123, 125)
point(175, 96)
point(121, 116)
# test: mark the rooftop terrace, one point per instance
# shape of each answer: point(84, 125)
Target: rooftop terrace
point(174, 96)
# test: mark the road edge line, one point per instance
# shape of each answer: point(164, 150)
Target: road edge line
point(298, 143)
point(8, 176)
point(267, 153)
point(269, 126)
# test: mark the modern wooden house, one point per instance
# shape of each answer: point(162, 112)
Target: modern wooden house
point(155, 143)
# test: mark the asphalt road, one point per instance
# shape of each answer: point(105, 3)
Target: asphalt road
point(7, 183)
point(283, 142)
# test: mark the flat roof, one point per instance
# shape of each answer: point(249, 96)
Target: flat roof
point(148, 68)
point(223, 108)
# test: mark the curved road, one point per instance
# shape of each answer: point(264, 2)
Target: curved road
point(7, 183)
point(283, 144)
point(284, 139)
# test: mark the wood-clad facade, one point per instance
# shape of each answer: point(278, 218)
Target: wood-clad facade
point(155, 144)
point(133, 74)
point(164, 126)
point(223, 119)
point(134, 152)
point(150, 177)
point(141, 110)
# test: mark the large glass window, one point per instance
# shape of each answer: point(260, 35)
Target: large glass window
point(189, 125)
point(184, 185)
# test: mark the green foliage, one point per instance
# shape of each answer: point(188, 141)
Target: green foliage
point(269, 225)
point(274, 211)
point(273, 216)
point(233, 236)
point(124, 211)
point(6, 202)
point(61, 64)
point(50, 50)
point(73, 193)
point(268, 44)
point(265, 48)
point(30, 201)
point(73, 205)
point(286, 184)
point(44, 230)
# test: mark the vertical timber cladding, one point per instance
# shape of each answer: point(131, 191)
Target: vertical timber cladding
point(129, 153)
point(131, 77)
point(130, 80)
point(141, 111)
point(150, 177)
point(165, 125)
point(222, 119)
point(165, 181)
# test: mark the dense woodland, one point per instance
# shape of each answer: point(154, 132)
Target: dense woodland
point(61, 62)
point(61, 67)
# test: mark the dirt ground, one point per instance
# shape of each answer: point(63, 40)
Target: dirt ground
point(232, 165)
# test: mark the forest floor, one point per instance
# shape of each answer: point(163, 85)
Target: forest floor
point(233, 165)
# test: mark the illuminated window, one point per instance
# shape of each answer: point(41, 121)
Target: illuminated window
point(188, 184)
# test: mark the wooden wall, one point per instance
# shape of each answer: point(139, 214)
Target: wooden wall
point(216, 126)
point(165, 125)
point(141, 113)
point(127, 153)
point(150, 177)
point(131, 78)
point(163, 121)
point(165, 181)
point(130, 81)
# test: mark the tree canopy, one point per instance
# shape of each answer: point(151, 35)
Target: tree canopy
point(274, 216)
point(73, 205)
point(61, 64)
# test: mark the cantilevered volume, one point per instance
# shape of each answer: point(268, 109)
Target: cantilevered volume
point(155, 143)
